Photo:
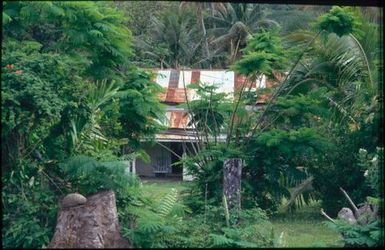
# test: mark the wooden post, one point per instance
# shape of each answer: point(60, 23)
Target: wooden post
point(232, 171)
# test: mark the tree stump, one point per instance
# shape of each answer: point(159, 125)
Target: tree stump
point(93, 224)
point(232, 171)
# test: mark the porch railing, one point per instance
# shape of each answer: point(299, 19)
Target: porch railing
point(162, 167)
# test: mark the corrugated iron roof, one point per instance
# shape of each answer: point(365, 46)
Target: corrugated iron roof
point(175, 82)
point(175, 137)
point(177, 119)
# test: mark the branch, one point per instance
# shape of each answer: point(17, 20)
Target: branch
point(229, 134)
point(280, 88)
point(327, 216)
point(350, 201)
point(170, 150)
point(364, 56)
point(190, 110)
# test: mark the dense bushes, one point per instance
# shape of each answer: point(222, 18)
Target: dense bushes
point(368, 230)
point(29, 207)
point(199, 230)
point(88, 176)
point(30, 196)
point(55, 105)
point(69, 89)
point(209, 230)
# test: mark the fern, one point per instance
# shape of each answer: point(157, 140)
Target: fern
point(153, 223)
point(168, 202)
point(359, 235)
point(232, 237)
point(88, 175)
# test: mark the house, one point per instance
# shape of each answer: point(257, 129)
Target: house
point(177, 140)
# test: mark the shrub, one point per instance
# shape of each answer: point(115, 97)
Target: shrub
point(150, 224)
point(359, 235)
point(209, 230)
point(29, 207)
point(88, 176)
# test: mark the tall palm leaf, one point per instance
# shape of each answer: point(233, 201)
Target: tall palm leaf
point(179, 36)
point(341, 65)
point(91, 134)
point(235, 24)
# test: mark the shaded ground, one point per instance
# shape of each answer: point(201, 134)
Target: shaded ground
point(303, 228)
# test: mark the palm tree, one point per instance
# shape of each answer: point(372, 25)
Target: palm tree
point(234, 24)
point(201, 8)
point(174, 40)
point(342, 65)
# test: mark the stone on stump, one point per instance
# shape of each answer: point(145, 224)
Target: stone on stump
point(90, 223)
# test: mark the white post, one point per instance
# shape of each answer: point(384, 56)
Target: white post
point(134, 166)
point(186, 177)
point(128, 164)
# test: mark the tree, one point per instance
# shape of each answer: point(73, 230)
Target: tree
point(201, 9)
point(341, 65)
point(66, 67)
point(215, 116)
point(234, 24)
point(93, 33)
point(176, 38)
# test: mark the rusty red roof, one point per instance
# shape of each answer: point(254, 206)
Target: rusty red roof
point(175, 81)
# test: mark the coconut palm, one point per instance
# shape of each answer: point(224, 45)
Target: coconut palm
point(342, 64)
point(201, 9)
point(234, 24)
point(174, 40)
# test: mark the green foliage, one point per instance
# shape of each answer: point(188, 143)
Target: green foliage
point(356, 235)
point(209, 229)
point(254, 62)
point(91, 32)
point(29, 207)
point(88, 176)
point(141, 113)
point(152, 223)
point(292, 141)
point(175, 39)
point(340, 66)
point(339, 20)
point(276, 166)
point(295, 17)
point(36, 88)
point(246, 237)
point(263, 55)
point(373, 166)
point(211, 110)
point(233, 24)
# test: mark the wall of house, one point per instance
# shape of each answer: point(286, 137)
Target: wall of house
point(155, 152)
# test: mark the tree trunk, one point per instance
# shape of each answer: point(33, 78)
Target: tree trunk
point(232, 171)
point(204, 33)
point(90, 225)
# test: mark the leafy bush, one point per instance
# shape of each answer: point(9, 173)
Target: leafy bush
point(209, 230)
point(373, 164)
point(339, 20)
point(29, 207)
point(88, 176)
point(356, 235)
point(149, 224)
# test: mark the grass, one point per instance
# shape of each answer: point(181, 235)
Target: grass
point(302, 228)
point(305, 228)
point(158, 189)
